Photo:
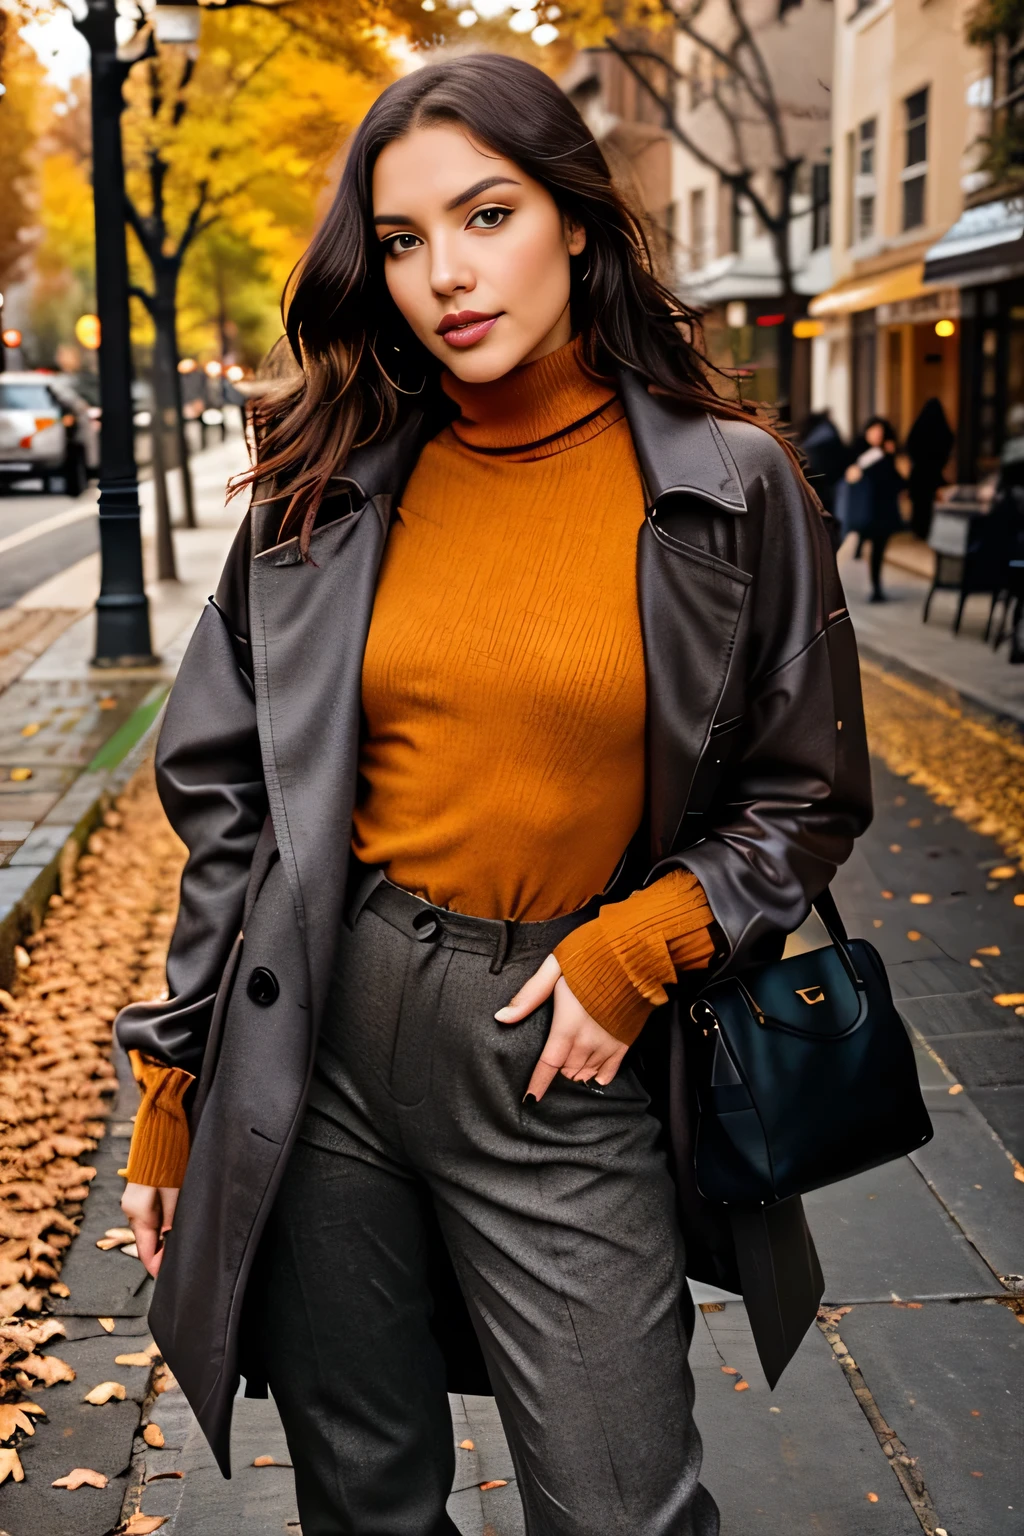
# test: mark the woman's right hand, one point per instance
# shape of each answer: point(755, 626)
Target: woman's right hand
point(853, 474)
point(150, 1213)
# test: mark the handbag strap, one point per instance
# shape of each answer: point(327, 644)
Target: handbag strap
point(825, 906)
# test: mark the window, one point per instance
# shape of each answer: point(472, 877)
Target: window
point(28, 397)
point(864, 181)
point(915, 159)
point(866, 148)
point(821, 205)
point(698, 228)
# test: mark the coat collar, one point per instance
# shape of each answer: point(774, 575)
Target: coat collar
point(681, 452)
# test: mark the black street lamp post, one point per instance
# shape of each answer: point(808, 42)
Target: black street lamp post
point(122, 608)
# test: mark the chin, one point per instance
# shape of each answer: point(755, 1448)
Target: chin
point(482, 364)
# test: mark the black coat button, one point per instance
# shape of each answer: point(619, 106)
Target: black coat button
point(263, 988)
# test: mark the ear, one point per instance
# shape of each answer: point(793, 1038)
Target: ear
point(575, 238)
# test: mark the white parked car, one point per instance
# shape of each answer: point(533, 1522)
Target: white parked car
point(45, 432)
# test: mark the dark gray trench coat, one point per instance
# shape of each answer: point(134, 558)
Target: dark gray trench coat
point(757, 781)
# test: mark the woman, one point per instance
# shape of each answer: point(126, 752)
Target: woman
point(877, 465)
point(928, 447)
point(552, 639)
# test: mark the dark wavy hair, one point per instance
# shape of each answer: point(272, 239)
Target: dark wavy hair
point(342, 324)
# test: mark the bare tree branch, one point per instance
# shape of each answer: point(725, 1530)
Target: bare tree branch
point(192, 225)
point(740, 179)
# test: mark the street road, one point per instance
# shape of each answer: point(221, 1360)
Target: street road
point(41, 536)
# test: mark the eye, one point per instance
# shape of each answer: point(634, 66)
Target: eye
point(488, 218)
point(394, 245)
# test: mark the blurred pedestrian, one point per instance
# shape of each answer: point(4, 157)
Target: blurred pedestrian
point(928, 446)
point(826, 454)
point(876, 467)
point(514, 708)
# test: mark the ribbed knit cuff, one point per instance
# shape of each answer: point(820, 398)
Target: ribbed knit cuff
point(160, 1141)
point(618, 965)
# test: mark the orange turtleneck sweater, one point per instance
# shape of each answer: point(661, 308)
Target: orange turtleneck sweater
point(502, 766)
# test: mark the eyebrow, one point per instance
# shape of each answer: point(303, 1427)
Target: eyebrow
point(456, 202)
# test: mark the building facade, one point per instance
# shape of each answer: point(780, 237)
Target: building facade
point(983, 255)
point(716, 251)
point(909, 105)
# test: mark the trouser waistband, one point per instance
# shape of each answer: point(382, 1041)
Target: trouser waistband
point(503, 941)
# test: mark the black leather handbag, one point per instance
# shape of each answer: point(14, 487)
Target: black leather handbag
point(806, 1073)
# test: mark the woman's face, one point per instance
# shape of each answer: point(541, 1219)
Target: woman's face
point(476, 253)
point(875, 435)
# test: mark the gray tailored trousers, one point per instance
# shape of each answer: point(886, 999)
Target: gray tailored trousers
point(559, 1219)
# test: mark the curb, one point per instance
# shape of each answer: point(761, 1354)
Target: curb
point(34, 873)
point(972, 703)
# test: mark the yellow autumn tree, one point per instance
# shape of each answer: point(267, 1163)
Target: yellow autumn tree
point(21, 110)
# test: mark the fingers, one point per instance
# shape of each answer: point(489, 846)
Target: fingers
point(150, 1212)
point(534, 991)
point(577, 1047)
point(609, 1069)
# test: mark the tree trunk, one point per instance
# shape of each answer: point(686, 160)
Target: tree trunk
point(166, 569)
point(790, 299)
point(168, 383)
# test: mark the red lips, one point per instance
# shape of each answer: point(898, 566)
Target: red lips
point(463, 317)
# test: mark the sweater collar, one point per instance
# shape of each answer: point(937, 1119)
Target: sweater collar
point(532, 404)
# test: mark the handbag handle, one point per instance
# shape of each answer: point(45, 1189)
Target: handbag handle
point(828, 912)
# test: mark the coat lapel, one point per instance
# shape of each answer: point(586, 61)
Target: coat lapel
point(690, 599)
point(310, 620)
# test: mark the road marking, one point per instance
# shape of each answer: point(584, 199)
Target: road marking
point(48, 525)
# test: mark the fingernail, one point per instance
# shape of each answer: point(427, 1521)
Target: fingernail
point(530, 1099)
point(504, 1014)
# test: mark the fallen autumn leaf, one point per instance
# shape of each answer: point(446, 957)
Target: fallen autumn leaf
point(103, 1392)
point(81, 1477)
point(15, 1416)
point(10, 1466)
point(153, 1435)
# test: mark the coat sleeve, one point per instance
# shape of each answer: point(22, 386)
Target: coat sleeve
point(210, 779)
point(797, 789)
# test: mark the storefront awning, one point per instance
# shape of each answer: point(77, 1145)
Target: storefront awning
point(985, 243)
point(869, 292)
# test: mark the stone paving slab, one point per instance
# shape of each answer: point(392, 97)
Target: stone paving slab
point(801, 1459)
point(884, 1234)
point(971, 1174)
point(261, 1500)
point(948, 1380)
point(77, 1434)
point(945, 1018)
point(257, 1501)
point(1003, 1108)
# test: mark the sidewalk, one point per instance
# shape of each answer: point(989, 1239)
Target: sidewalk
point(892, 633)
point(901, 1410)
point(67, 729)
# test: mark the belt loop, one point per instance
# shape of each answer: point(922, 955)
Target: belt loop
point(367, 883)
point(505, 940)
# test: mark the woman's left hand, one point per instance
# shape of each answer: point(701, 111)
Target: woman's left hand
point(577, 1045)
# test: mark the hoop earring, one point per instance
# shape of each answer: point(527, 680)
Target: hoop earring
point(396, 387)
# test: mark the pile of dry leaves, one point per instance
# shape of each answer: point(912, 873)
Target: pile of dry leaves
point(102, 945)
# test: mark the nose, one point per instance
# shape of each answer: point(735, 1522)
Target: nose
point(449, 272)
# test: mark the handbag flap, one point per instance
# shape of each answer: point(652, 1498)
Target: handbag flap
point(809, 993)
